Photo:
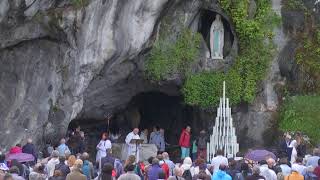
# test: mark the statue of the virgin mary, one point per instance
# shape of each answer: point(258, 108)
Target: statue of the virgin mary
point(216, 38)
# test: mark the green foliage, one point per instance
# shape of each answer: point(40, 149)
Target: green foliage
point(301, 113)
point(256, 51)
point(167, 58)
point(204, 89)
point(308, 57)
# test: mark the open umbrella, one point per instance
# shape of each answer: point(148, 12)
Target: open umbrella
point(259, 155)
point(21, 157)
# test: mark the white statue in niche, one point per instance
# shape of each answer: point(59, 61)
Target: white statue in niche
point(216, 38)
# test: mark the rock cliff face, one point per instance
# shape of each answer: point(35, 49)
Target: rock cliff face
point(61, 60)
point(52, 50)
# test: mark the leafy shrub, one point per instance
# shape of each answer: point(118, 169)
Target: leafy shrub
point(301, 113)
point(168, 58)
point(205, 89)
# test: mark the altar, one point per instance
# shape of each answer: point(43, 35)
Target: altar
point(119, 150)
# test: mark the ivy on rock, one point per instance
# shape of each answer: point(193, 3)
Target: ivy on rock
point(168, 58)
point(256, 51)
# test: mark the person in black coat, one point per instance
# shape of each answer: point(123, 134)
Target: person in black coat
point(65, 170)
point(284, 151)
point(30, 148)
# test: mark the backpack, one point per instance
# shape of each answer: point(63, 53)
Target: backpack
point(137, 171)
point(187, 175)
point(86, 169)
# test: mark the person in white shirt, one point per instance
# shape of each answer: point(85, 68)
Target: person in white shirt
point(132, 149)
point(266, 172)
point(299, 167)
point(103, 145)
point(218, 160)
point(53, 162)
point(286, 170)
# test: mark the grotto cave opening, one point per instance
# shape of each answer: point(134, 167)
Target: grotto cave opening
point(146, 110)
point(207, 17)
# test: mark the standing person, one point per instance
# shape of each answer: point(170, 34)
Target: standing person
point(295, 175)
point(71, 160)
point(62, 148)
point(218, 160)
point(87, 168)
point(284, 144)
point(188, 170)
point(301, 146)
point(200, 163)
point(30, 148)
point(169, 162)
point(62, 166)
point(164, 166)
point(75, 140)
point(104, 144)
point(132, 149)
point(153, 172)
point(106, 172)
point(202, 174)
point(154, 130)
point(285, 168)
point(14, 171)
point(177, 174)
point(313, 160)
point(202, 145)
point(144, 136)
point(38, 173)
point(194, 150)
point(137, 169)
point(129, 175)
point(221, 174)
point(294, 154)
point(255, 174)
point(57, 175)
point(82, 145)
point(53, 162)
point(299, 167)
point(184, 142)
point(266, 172)
point(158, 140)
point(76, 171)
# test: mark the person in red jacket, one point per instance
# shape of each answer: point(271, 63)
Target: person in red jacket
point(164, 165)
point(184, 142)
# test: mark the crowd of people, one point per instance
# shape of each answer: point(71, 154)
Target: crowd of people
point(72, 163)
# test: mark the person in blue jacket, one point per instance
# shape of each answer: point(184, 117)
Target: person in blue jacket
point(221, 174)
